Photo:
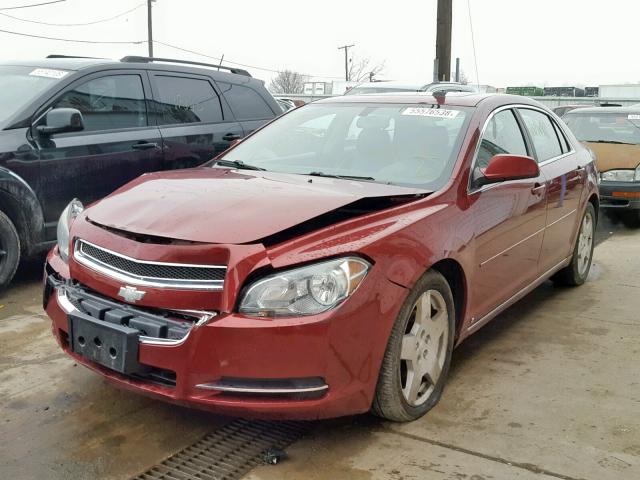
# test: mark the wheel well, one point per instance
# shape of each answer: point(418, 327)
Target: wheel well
point(593, 199)
point(11, 208)
point(453, 273)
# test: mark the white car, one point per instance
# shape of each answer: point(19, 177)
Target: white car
point(390, 87)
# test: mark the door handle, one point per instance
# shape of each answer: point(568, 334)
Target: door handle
point(538, 187)
point(144, 146)
point(229, 137)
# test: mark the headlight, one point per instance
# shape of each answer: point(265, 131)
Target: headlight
point(67, 217)
point(621, 175)
point(305, 291)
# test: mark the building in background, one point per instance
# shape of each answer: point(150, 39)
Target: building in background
point(526, 91)
point(563, 92)
point(624, 91)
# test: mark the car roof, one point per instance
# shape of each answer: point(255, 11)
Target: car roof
point(598, 110)
point(84, 63)
point(392, 84)
point(461, 99)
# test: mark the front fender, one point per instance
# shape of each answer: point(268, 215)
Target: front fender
point(21, 204)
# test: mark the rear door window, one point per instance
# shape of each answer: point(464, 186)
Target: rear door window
point(502, 135)
point(108, 103)
point(186, 100)
point(245, 102)
point(543, 134)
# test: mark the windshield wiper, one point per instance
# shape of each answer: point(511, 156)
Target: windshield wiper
point(610, 141)
point(237, 164)
point(342, 177)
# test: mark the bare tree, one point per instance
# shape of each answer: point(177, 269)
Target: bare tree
point(287, 81)
point(361, 69)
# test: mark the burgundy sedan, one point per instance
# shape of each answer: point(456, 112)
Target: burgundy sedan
point(329, 263)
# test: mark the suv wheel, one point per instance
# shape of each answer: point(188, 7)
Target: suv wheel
point(9, 250)
point(416, 363)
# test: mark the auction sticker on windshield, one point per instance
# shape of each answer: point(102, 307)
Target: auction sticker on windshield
point(431, 112)
point(48, 73)
point(633, 116)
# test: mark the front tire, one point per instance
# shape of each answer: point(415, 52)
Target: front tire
point(416, 363)
point(577, 271)
point(9, 250)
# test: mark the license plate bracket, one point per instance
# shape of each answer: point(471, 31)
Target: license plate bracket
point(110, 345)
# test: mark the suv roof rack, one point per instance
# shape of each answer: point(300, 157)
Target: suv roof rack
point(55, 55)
point(136, 59)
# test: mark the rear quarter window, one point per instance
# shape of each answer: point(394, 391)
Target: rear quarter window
point(186, 100)
point(245, 102)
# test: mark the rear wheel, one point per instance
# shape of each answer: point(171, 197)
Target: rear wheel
point(577, 271)
point(416, 363)
point(9, 250)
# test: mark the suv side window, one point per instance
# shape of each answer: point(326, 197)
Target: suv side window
point(543, 134)
point(107, 103)
point(502, 135)
point(245, 102)
point(186, 100)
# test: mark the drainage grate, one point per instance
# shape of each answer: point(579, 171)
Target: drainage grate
point(227, 453)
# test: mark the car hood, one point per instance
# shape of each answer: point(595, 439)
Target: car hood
point(219, 205)
point(610, 156)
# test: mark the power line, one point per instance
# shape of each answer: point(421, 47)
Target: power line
point(237, 63)
point(33, 5)
point(137, 42)
point(473, 44)
point(74, 24)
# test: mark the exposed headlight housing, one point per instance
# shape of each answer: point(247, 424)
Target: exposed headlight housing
point(67, 217)
point(306, 290)
point(621, 175)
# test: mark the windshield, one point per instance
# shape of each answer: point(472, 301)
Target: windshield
point(20, 85)
point(410, 145)
point(618, 127)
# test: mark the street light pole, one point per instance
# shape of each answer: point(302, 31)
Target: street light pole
point(150, 28)
point(443, 41)
point(346, 60)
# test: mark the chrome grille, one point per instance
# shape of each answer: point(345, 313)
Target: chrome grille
point(148, 273)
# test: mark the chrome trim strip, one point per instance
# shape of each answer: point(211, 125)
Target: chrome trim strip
point(526, 290)
point(563, 217)
point(127, 277)
point(512, 247)
point(228, 388)
point(68, 307)
point(150, 262)
point(64, 302)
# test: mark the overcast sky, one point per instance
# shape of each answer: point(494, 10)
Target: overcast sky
point(518, 42)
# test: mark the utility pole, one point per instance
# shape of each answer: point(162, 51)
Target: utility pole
point(150, 28)
point(346, 60)
point(443, 41)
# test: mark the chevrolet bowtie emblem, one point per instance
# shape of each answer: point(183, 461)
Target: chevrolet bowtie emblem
point(131, 294)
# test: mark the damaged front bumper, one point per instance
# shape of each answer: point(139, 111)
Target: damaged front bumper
point(321, 366)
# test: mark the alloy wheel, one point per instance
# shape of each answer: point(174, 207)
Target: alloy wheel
point(424, 347)
point(585, 243)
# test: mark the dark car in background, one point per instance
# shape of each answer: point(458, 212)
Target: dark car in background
point(613, 134)
point(82, 127)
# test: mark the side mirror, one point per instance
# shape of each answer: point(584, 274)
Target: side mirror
point(61, 120)
point(505, 167)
